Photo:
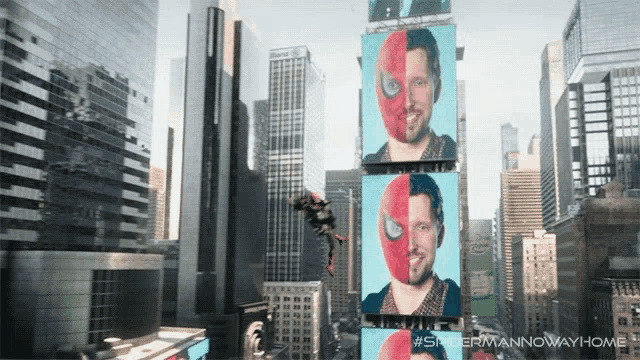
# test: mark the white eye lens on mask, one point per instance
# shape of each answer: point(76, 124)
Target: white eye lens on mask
point(392, 229)
point(390, 86)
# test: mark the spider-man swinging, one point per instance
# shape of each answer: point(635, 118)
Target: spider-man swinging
point(318, 213)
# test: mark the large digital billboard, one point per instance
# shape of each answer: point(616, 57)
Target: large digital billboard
point(393, 9)
point(391, 344)
point(410, 254)
point(409, 96)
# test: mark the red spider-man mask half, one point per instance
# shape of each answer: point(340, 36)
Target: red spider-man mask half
point(397, 346)
point(393, 227)
point(390, 78)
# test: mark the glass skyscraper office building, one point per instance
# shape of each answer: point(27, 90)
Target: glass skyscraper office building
point(296, 162)
point(601, 45)
point(75, 129)
point(76, 115)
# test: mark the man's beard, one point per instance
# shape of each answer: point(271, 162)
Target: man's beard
point(420, 129)
point(421, 279)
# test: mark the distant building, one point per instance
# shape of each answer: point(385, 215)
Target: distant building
point(520, 214)
point(343, 190)
point(156, 203)
point(174, 149)
point(301, 317)
point(535, 284)
point(296, 164)
point(555, 198)
point(605, 226)
point(616, 306)
point(509, 149)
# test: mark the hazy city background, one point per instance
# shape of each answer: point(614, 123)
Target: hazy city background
point(502, 39)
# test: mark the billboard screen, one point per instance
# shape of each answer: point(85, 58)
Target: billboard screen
point(410, 235)
point(409, 96)
point(387, 344)
point(394, 9)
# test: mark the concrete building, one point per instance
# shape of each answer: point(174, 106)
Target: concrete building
point(535, 284)
point(554, 203)
point(616, 306)
point(157, 198)
point(520, 214)
point(343, 190)
point(604, 226)
point(174, 149)
point(296, 163)
point(301, 317)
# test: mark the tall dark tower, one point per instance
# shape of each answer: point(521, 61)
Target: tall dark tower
point(222, 224)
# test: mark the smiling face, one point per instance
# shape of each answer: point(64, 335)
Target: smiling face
point(423, 239)
point(405, 88)
point(419, 95)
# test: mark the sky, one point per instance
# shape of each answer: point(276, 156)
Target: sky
point(503, 41)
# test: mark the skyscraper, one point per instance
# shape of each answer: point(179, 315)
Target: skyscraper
point(76, 114)
point(206, 158)
point(551, 87)
point(296, 163)
point(520, 214)
point(509, 140)
point(602, 69)
point(221, 258)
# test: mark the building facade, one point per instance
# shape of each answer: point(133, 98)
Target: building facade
point(551, 88)
point(535, 283)
point(296, 163)
point(76, 117)
point(604, 226)
point(520, 214)
point(157, 198)
point(301, 317)
point(343, 190)
point(602, 69)
point(616, 306)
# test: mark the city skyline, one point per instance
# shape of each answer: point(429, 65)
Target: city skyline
point(501, 67)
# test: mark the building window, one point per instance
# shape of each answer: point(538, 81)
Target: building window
point(622, 321)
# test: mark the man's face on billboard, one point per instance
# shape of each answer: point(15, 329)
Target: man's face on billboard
point(408, 232)
point(423, 239)
point(405, 89)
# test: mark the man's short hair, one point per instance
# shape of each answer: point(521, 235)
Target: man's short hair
point(424, 39)
point(424, 184)
point(438, 350)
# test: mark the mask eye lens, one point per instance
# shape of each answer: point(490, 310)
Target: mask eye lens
point(390, 87)
point(392, 229)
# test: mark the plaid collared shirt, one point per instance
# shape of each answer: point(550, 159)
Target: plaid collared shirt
point(432, 305)
point(439, 147)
